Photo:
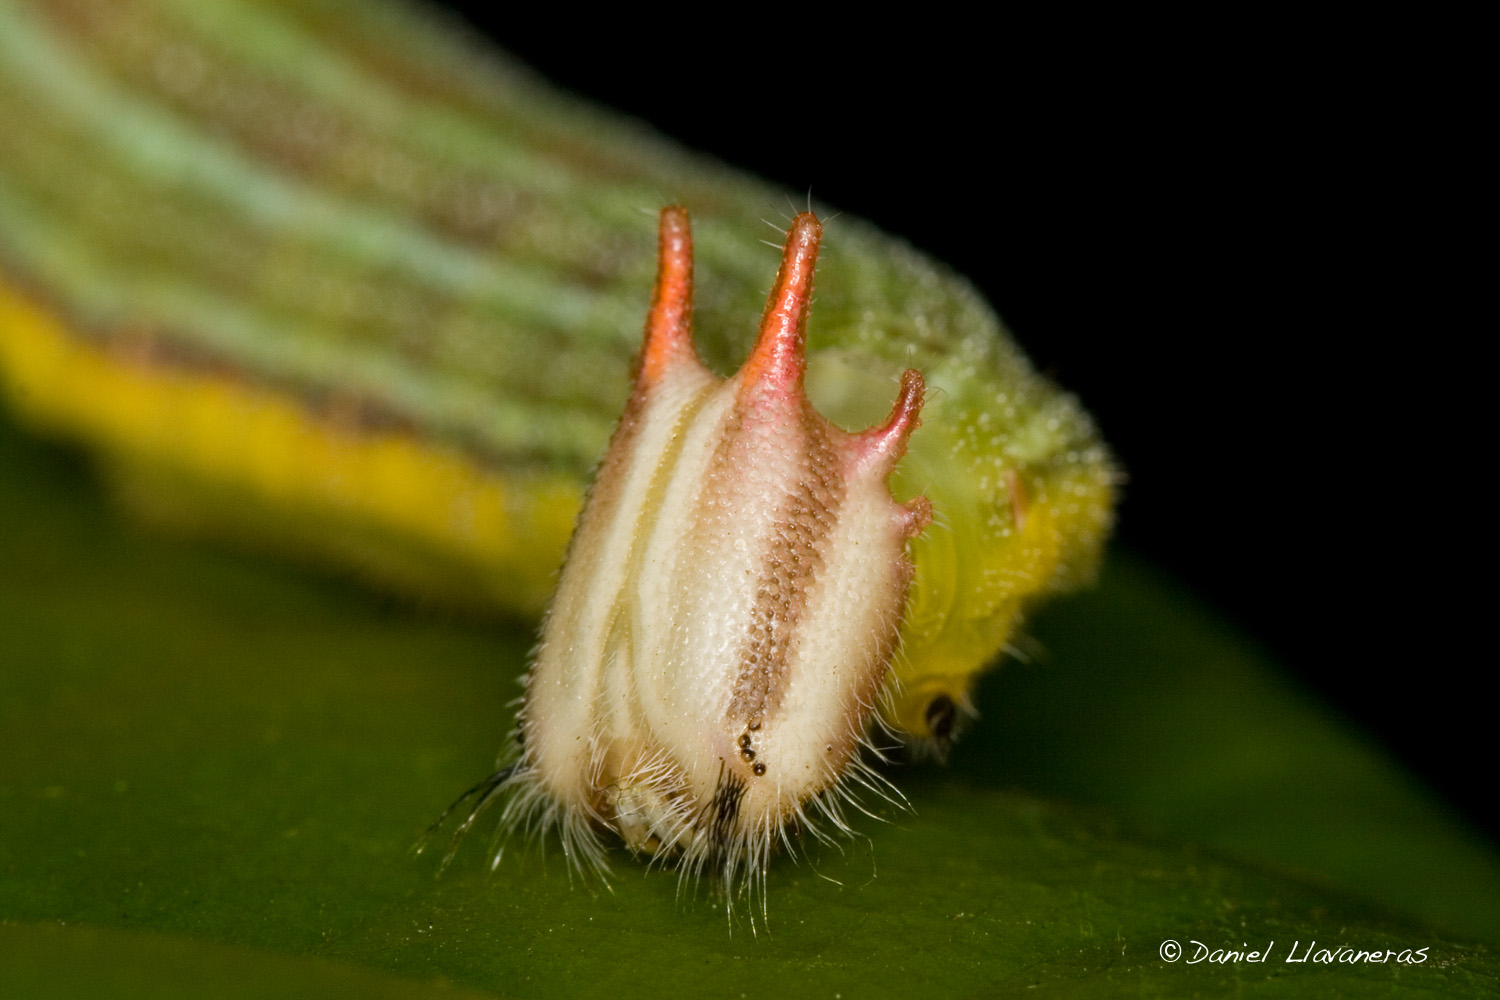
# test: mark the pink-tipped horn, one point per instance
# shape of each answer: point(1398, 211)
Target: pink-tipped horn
point(669, 324)
point(779, 357)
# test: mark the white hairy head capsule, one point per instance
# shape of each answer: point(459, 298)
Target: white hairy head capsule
point(730, 602)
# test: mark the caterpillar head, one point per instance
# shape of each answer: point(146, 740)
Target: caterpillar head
point(731, 599)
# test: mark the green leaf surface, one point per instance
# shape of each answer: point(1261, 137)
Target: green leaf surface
point(212, 771)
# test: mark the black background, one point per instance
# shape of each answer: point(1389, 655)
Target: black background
point(1231, 239)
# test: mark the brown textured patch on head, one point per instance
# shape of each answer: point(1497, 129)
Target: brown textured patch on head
point(789, 569)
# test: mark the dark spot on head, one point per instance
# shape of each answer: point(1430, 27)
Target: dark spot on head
point(759, 769)
point(745, 739)
point(754, 726)
point(748, 754)
point(941, 715)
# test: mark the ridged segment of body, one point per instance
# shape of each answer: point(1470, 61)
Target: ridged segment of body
point(292, 269)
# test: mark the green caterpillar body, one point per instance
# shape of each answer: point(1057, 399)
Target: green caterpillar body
point(332, 277)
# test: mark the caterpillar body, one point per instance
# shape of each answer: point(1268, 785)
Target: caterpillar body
point(334, 280)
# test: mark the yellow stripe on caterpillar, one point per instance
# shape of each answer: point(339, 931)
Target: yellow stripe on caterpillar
point(222, 455)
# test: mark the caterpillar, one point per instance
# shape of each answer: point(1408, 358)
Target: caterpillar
point(331, 278)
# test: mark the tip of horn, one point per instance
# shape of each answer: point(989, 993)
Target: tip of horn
point(779, 358)
point(669, 323)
